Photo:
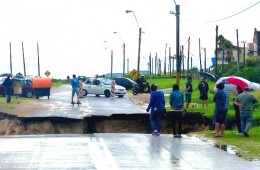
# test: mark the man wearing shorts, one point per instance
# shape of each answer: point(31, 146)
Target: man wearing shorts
point(188, 91)
point(75, 88)
point(203, 88)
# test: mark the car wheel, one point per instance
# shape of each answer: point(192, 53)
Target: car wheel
point(120, 96)
point(84, 93)
point(29, 94)
point(107, 93)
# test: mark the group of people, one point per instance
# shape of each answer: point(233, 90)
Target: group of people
point(156, 107)
point(12, 85)
point(243, 106)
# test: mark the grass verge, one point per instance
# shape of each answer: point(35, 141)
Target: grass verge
point(247, 148)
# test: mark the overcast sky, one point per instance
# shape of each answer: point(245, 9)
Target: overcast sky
point(71, 33)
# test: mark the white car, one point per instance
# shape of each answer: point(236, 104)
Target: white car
point(101, 86)
point(230, 87)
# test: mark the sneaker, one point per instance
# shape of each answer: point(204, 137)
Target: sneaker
point(179, 136)
point(157, 134)
point(241, 134)
point(175, 136)
point(154, 132)
point(246, 134)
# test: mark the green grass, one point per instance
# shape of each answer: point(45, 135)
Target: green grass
point(13, 103)
point(247, 148)
point(165, 82)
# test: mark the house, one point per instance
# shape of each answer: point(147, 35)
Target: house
point(256, 43)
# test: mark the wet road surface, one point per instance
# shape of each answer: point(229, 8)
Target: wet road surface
point(114, 151)
point(59, 105)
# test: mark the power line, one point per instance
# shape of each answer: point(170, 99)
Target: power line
point(226, 17)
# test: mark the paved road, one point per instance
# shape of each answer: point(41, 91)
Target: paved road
point(107, 151)
point(58, 105)
point(115, 151)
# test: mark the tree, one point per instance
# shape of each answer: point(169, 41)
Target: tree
point(226, 45)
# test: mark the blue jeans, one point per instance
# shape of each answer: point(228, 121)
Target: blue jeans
point(155, 119)
point(246, 120)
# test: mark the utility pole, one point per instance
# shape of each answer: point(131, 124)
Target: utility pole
point(177, 14)
point(216, 53)
point(39, 74)
point(205, 60)
point(111, 64)
point(24, 70)
point(182, 57)
point(238, 60)
point(188, 59)
point(165, 60)
point(150, 61)
point(123, 59)
point(155, 63)
point(11, 64)
point(244, 42)
point(200, 56)
point(127, 65)
point(170, 62)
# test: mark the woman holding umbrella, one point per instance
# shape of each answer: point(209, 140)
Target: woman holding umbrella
point(17, 87)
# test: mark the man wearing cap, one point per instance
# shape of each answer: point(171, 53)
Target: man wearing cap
point(188, 91)
point(245, 101)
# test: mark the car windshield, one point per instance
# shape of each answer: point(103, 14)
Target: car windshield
point(106, 81)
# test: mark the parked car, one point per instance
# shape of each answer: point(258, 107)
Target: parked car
point(230, 87)
point(101, 86)
point(82, 78)
point(27, 90)
point(125, 82)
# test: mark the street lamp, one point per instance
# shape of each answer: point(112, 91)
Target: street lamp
point(111, 59)
point(244, 42)
point(139, 41)
point(123, 52)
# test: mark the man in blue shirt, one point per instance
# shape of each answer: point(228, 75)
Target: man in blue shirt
point(156, 105)
point(176, 102)
point(75, 89)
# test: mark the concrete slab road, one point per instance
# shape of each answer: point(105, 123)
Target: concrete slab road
point(114, 151)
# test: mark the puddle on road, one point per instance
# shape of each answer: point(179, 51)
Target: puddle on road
point(227, 148)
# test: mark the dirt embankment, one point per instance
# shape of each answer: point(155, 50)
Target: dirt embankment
point(11, 124)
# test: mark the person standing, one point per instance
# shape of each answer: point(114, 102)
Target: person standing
point(188, 92)
point(17, 87)
point(245, 101)
point(226, 110)
point(220, 109)
point(8, 84)
point(176, 102)
point(156, 105)
point(236, 92)
point(203, 88)
point(75, 89)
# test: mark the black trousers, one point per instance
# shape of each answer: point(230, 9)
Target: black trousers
point(237, 118)
point(176, 117)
